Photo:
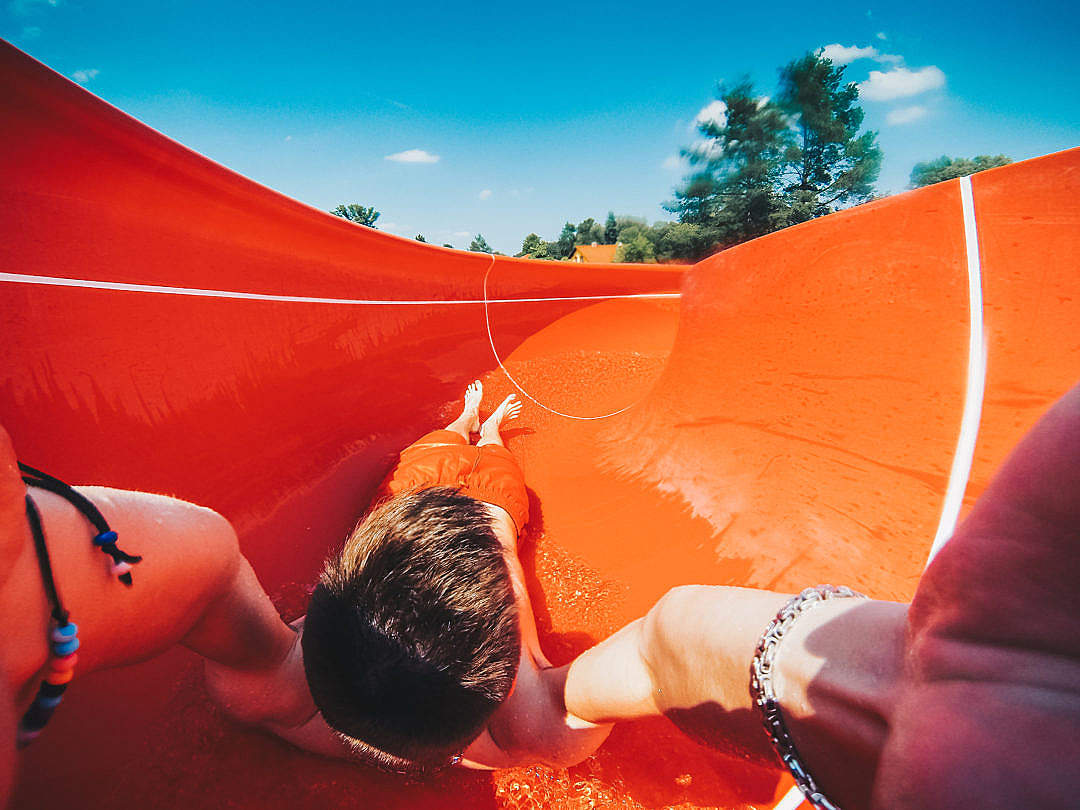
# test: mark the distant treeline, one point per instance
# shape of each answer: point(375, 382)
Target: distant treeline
point(761, 163)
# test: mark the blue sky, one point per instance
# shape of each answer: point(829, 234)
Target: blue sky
point(457, 119)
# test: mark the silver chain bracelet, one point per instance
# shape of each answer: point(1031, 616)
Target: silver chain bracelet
point(761, 687)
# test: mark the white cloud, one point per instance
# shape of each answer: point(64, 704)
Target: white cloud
point(461, 234)
point(845, 54)
point(900, 83)
point(413, 156)
point(673, 163)
point(485, 194)
point(714, 112)
point(881, 35)
point(85, 75)
point(288, 138)
point(905, 115)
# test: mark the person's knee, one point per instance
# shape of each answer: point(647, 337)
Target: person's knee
point(199, 544)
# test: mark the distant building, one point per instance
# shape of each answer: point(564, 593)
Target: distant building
point(594, 253)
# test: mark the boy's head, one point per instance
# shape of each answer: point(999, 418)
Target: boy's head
point(411, 639)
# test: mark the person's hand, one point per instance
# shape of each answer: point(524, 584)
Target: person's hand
point(989, 711)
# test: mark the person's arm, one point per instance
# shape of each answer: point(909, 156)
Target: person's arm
point(689, 659)
point(533, 724)
point(253, 660)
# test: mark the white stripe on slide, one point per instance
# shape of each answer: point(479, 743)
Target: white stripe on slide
point(53, 281)
point(973, 400)
point(976, 379)
point(517, 385)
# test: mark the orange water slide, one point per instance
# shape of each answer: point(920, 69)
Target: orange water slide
point(803, 408)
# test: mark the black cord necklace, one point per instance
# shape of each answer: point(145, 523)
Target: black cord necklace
point(64, 636)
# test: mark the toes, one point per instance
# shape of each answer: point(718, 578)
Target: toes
point(511, 407)
point(473, 394)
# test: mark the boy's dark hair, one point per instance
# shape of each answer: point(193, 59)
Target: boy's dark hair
point(411, 639)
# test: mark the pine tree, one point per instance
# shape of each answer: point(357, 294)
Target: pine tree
point(564, 246)
point(734, 193)
point(766, 164)
point(611, 229)
point(829, 165)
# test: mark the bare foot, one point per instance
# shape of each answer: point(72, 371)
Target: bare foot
point(471, 412)
point(469, 421)
point(509, 409)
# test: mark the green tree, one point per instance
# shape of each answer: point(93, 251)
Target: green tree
point(627, 226)
point(564, 245)
point(682, 241)
point(480, 245)
point(447, 244)
point(766, 164)
point(735, 192)
point(947, 168)
point(639, 249)
point(829, 165)
point(420, 238)
point(357, 213)
point(588, 231)
point(611, 229)
point(535, 247)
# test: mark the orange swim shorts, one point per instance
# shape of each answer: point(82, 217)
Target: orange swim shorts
point(444, 458)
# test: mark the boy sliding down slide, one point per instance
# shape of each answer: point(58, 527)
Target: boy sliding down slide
point(420, 644)
point(437, 655)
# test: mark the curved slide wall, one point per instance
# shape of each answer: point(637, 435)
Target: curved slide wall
point(792, 418)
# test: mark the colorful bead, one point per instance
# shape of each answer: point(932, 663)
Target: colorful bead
point(64, 633)
point(65, 648)
point(105, 538)
point(119, 568)
point(37, 716)
point(57, 678)
point(51, 690)
point(64, 663)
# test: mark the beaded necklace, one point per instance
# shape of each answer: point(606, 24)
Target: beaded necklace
point(64, 635)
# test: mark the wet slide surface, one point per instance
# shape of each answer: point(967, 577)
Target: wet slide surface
point(791, 418)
